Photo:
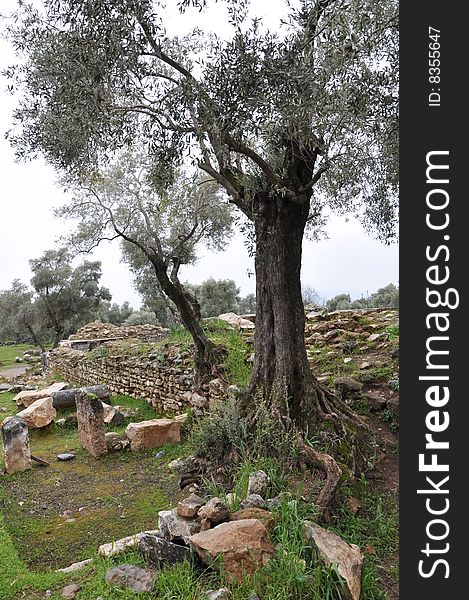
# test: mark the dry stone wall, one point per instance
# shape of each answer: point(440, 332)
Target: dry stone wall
point(166, 381)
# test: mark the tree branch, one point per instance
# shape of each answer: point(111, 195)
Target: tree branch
point(255, 157)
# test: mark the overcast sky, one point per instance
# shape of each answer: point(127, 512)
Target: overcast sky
point(349, 261)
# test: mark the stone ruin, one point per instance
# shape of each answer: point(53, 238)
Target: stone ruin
point(91, 415)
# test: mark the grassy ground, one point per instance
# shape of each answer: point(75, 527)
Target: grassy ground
point(9, 353)
point(56, 515)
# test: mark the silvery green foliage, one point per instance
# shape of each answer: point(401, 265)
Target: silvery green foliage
point(306, 112)
point(66, 296)
point(154, 223)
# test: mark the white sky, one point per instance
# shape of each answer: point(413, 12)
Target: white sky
point(349, 261)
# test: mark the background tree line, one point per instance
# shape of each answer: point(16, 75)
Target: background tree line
point(62, 298)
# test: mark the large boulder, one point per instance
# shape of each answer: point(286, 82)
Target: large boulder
point(39, 414)
point(15, 443)
point(153, 433)
point(27, 397)
point(66, 398)
point(242, 545)
point(334, 550)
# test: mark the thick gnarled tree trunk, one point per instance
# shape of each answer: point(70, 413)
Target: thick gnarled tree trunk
point(281, 370)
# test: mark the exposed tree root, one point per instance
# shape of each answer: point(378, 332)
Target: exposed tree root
point(333, 472)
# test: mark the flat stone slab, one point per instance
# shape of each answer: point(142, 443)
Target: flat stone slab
point(153, 433)
point(126, 543)
point(334, 550)
point(64, 456)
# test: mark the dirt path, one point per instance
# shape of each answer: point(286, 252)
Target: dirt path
point(12, 372)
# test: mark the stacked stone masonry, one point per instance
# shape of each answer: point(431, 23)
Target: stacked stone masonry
point(167, 385)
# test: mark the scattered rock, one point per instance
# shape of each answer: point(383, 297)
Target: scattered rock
point(221, 594)
point(119, 546)
point(374, 401)
point(253, 501)
point(347, 386)
point(233, 390)
point(5, 387)
point(243, 545)
point(112, 416)
point(176, 528)
point(15, 443)
point(60, 422)
point(393, 406)
point(215, 510)
point(116, 441)
point(39, 414)
point(27, 397)
point(64, 456)
point(132, 577)
point(160, 454)
point(70, 591)
point(333, 549)
point(189, 507)
point(258, 483)
point(176, 464)
point(76, 566)
point(153, 433)
point(264, 516)
point(91, 424)
point(236, 321)
point(159, 552)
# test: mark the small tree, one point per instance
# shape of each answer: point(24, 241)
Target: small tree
point(116, 314)
point(69, 297)
point(142, 316)
point(311, 296)
point(159, 228)
point(339, 302)
point(216, 296)
point(20, 317)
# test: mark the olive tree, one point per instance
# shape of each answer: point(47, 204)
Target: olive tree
point(20, 317)
point(67, 296)
point(160, 228)
point(288, 121)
